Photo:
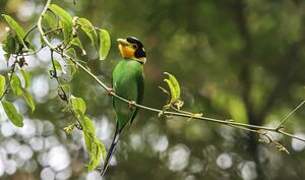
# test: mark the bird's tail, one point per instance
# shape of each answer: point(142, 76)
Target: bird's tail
point(111, 149)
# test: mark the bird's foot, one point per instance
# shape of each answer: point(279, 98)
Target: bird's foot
point(110, 91)
point(79, 126)
point(131, 104)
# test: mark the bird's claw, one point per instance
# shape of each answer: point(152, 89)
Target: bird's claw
point(131, 104)
point(78, 126)
point(110, 91)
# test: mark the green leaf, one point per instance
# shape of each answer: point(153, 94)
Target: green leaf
point(78, 105)
point(76, 42)
point(29, 100)
point(57, 66)
point(72, 69)
point(65, 21)
point(49, 20)
point(2, 85)
point(16, 85)
point(88, 29)
point(16, 27)
point(10, 44)
point(26, 77)
point(64, 15)
point(104, 43)
point(95, 148)
point(12, 113)
point(174, 87)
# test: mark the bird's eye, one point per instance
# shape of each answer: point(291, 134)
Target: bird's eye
point(135, 46)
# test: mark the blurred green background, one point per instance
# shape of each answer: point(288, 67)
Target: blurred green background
point(235, 59)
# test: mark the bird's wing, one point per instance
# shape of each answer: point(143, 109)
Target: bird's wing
point(140, 94)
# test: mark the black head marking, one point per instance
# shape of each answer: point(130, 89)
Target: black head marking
point(134, 40)
point(140, 52)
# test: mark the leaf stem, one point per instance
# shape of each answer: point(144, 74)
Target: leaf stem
point(29, 32)
point(12, 71)
point(291, 113)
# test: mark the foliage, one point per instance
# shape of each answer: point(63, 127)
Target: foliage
point(104, 43)
point(20, 33)
point(68, 25)
point(12, 113)
point(240, 60)
point(2, 85)
point(95, 148)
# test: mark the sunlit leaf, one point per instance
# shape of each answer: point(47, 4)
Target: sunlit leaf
point(16, 85)
point(15, 26)
point(50, 20)
point(174, 89)
point(58, 67)
point(104, 43)
point(65, 21)
point(2, 85)
point(29, 100)
point(12, 113)
point(26, 77)
point(173, 85)
point(78, 105)
point(64, 15)
point(95, 148)
point(88, 29)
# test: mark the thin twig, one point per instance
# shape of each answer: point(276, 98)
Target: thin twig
point(53, 31)
point(29, 32)
point(31, 53)
point(12, 71)
point(64, 97)
point(291, 113)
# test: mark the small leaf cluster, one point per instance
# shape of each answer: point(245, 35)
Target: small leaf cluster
point(94, 147)
point(15, 44)
point(174, 92)
point(69, 30)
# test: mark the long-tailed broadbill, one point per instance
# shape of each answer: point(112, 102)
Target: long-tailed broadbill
point(128, 82)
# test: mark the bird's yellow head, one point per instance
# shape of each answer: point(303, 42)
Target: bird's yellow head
point(132, 48)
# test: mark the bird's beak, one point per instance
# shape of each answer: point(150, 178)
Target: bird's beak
point(123, 42)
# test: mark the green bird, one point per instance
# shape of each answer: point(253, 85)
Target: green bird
point(128, 82)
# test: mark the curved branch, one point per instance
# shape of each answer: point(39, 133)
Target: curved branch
point(248, 127)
